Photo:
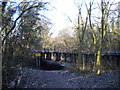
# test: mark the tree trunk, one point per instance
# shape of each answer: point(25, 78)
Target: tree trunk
point(99, 53)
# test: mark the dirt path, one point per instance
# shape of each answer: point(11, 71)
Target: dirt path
point(65, 79)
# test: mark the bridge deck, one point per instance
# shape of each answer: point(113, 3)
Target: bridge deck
point(76, 52)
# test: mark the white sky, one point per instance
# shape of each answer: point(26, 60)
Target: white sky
point(59, 20)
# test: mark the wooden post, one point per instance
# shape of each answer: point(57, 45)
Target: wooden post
point(57, 56)
point(50, 54)
point(47, 55)
point(72, 57)
point(75, 55)
point(36, 60)
point(65, 56)
point(42, 55)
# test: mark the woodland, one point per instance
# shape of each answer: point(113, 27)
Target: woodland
point(25, 28)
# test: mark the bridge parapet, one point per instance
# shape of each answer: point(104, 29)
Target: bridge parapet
point(76, 52)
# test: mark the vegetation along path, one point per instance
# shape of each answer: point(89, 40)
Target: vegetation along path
point(65, 79)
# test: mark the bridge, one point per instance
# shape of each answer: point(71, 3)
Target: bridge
point(71, 56)
point(57, 55)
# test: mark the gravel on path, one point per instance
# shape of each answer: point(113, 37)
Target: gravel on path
point(65, 79)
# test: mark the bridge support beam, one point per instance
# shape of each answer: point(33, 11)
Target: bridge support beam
point(58, 55)
point(64, 56)
point(75, 57)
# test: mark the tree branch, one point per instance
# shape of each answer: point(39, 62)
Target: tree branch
point(14, 25)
